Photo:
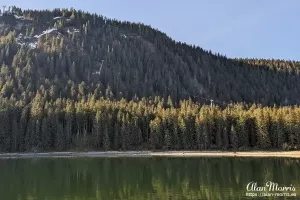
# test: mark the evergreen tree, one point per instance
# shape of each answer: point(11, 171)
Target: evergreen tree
point(167, 139)
point(263, 135)
point(106, 140)
point(233, 138)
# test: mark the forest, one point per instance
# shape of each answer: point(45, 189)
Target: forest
point(104, 124)
point(71, 80)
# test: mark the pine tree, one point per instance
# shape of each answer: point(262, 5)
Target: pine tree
point(46, 139)
point(139, 137)
point(5, 139)
point(219, 127)
point(263, 135)
point(15, 134)
point(68, 130)
point(233, 138)
point(124, 135)
point(29, 135)
point(106, 140)
point(59, 137)
point(116, 144)
point(167, 139)
point(155, 134)
point(199, 131)
point(183, 133)
point(23, 127)
point(177, 143)
point(205, 135)
point(243, 135)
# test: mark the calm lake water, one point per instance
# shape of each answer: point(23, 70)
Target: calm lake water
point(141, 178)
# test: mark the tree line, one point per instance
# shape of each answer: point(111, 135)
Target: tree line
point(143, 124)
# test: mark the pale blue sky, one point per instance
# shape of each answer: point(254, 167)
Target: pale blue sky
point(237, 28)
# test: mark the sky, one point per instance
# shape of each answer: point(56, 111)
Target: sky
point(235, 28)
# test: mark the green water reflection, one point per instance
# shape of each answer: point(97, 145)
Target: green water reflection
point(141, 178)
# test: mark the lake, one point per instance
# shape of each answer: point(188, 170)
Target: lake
point(156, 178)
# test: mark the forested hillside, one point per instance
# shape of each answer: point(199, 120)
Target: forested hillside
point(70, 79)
point(63, 53)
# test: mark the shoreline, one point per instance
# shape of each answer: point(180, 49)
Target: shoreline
point(257, 154)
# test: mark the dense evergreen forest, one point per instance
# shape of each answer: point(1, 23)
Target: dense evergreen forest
point(74, 80)
point(103, 124)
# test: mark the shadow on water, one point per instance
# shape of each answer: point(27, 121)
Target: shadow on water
point(141, 178)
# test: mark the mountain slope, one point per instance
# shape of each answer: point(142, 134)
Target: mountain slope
point(74, 54)
point(65, 75)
